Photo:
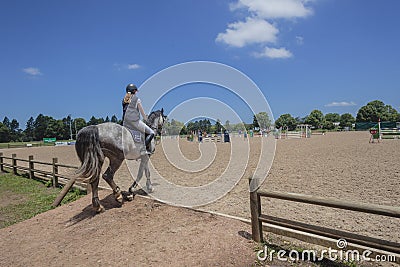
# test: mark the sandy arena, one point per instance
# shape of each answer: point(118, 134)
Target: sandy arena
point(337, 165)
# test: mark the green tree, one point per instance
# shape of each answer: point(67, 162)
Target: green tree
point(4, 133)
point(218, 126)
point(376, 110)
point(330, 119)
point(6, 122)
point(29, 129)
point(15, 132)
point(40, 126)
point(316, 119)
point(79, 123)
point(114, 119)
point(67, 128)
point(100, 120)
point(328, 125)
point(300, 120)
point(55, 128)
point(261, 120)
point(286, 120)
point(174, 127)
point(347, 120)
point(93, 121)
point(205, 125)
point(190, 127)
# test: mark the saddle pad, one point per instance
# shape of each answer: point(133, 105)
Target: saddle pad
point(137, 136)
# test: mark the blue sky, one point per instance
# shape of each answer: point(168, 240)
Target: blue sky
point(76, 57)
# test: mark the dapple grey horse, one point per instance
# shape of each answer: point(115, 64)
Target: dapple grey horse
point(96, 142)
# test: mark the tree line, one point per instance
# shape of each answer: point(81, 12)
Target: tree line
point(66, 128)
point(261, 121)
point(371, 112)
point(46, 126)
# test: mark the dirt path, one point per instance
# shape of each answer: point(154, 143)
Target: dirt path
point(140, 233)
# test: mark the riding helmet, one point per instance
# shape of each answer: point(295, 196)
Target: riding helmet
point(131, 88)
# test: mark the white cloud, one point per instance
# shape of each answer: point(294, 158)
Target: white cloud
point(275, 9)
point(299, 40)
point(259, 26)
point(120, 67)
point(253, 30)
point(341, 104)
point(274, 53)
point(32, 71)
point(133, 66)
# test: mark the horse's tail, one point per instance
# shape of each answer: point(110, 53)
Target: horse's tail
point(88, 148)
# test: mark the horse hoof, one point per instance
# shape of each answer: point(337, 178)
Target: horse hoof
point(99, 209)
point(127, 196)
point(150, 190)
point(119, 198)
point(149, 187)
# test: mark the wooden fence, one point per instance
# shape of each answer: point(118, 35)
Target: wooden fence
point(53, 175)
point(257, 218)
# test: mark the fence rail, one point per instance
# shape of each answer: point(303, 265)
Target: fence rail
point(32, 168)
point(257, 218)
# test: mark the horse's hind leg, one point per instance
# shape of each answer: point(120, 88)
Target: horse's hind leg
point(108, 176)
point(95, 196)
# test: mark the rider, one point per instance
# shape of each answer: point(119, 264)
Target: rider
point(132, 108)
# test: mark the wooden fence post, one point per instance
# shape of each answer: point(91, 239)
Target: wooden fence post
point(31, 168)
point(1, 162)
point(55, 172)
point(63, 192)
point(256, 224)
point(255, 210)
point(14, 164)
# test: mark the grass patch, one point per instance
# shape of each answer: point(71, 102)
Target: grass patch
point(22, 198)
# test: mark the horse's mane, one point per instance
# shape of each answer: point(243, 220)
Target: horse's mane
point(153, 115)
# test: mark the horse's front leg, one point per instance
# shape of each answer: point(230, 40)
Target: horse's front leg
point(143, 163)
point(148, 182)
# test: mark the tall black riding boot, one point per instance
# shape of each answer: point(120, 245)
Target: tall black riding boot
point(148, 141)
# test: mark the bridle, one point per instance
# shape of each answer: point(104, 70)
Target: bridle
point(157, 128)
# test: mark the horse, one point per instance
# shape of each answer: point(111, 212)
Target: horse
point(96, 142)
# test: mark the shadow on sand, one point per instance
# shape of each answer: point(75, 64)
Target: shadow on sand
point(108, 203)
point(88, 212)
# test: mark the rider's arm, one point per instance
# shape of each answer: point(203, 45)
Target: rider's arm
point(139, 104)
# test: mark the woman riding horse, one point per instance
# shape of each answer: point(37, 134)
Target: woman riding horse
point(132, 108)
point(96, 142)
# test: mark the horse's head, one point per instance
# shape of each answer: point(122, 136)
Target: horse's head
point(156, 120)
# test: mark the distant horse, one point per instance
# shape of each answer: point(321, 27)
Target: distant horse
point(96, 142)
